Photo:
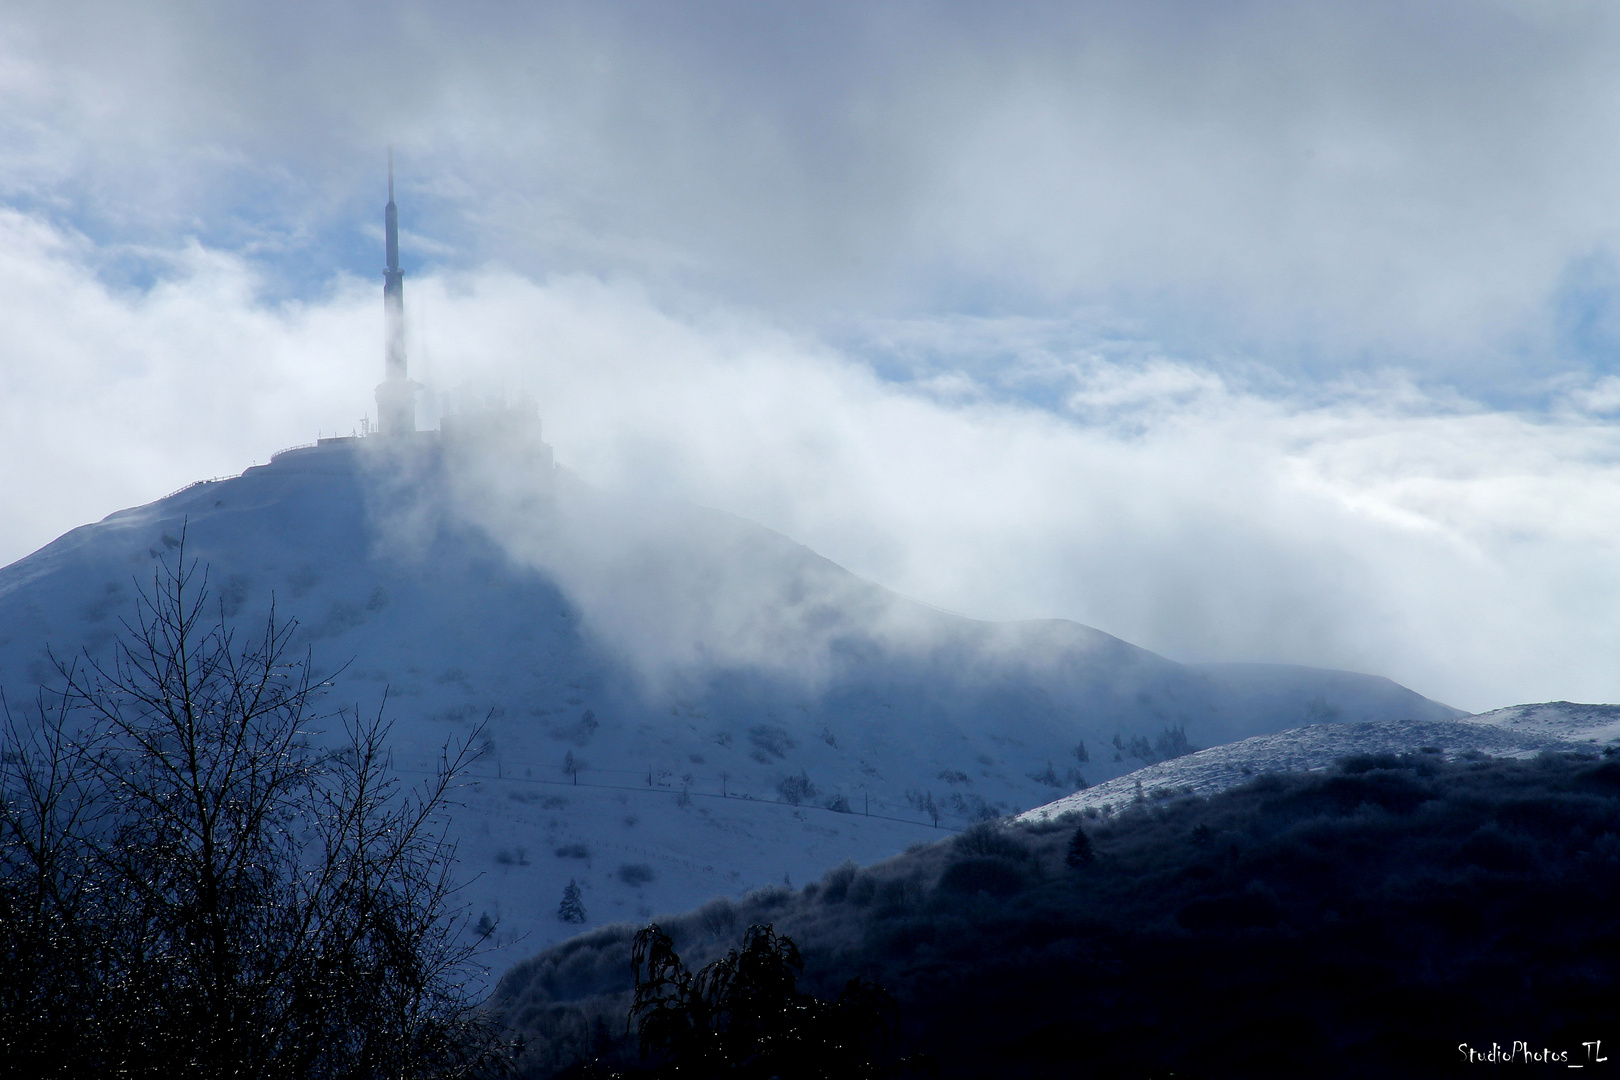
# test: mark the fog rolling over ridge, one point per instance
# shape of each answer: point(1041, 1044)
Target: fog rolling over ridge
point(1051, 505)
point(676, 703)
point(1240, 331)
point(676, 591)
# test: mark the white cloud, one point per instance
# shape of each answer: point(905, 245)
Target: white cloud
point(1468, 553)
point(110, 398)
point(1174, 318)
point(1321, 185)
point(1601, 398)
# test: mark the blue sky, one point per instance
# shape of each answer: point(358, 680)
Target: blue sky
point(1241, 330)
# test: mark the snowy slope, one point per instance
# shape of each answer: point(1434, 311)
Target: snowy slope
point(1519, 731)
point(696, 667)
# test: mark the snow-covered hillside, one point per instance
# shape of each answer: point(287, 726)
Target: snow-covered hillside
point(1519, 731)
point(735, 709)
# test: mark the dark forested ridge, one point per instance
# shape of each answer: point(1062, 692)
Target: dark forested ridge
point(1367, 920)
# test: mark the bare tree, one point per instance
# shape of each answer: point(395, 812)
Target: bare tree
point(925, 802)
point(200, 884)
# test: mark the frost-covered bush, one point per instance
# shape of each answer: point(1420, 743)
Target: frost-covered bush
point(636, 874)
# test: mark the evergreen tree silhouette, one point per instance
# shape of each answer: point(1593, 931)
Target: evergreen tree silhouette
point(1080, 852)
point(572, 908)
point(745, 1016)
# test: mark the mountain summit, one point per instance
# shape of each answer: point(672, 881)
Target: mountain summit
point(674, 702)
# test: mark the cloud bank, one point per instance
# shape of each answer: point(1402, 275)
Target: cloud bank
point(1324, 186)
point(1365, 525)
point(1242, 331)
point(1467, 552)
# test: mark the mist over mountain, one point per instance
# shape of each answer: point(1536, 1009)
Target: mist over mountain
point(941, 386)
point(672, 703)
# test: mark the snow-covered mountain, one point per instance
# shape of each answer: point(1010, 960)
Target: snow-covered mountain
point(732, 708)
point(1518, 731)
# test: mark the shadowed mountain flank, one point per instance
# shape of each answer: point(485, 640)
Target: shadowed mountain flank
point(1380, 917)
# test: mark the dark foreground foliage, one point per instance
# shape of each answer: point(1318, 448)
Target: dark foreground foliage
point(745, 1016)
point(189, 887)
point(1365, 921)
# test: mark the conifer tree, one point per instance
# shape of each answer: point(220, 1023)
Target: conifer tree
point(572, 908)
point(744, 1015)
point(1080, 852)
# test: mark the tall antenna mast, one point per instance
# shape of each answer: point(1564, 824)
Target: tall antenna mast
point(396, 394)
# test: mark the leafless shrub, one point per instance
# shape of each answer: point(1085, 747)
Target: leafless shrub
point(190, 885)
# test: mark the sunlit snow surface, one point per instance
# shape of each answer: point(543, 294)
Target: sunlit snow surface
point(692, 663)
point(1519, 731)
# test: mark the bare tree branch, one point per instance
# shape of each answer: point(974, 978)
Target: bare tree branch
point(202, 873)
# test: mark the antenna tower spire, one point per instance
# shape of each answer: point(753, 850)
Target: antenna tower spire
point(396, 394)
